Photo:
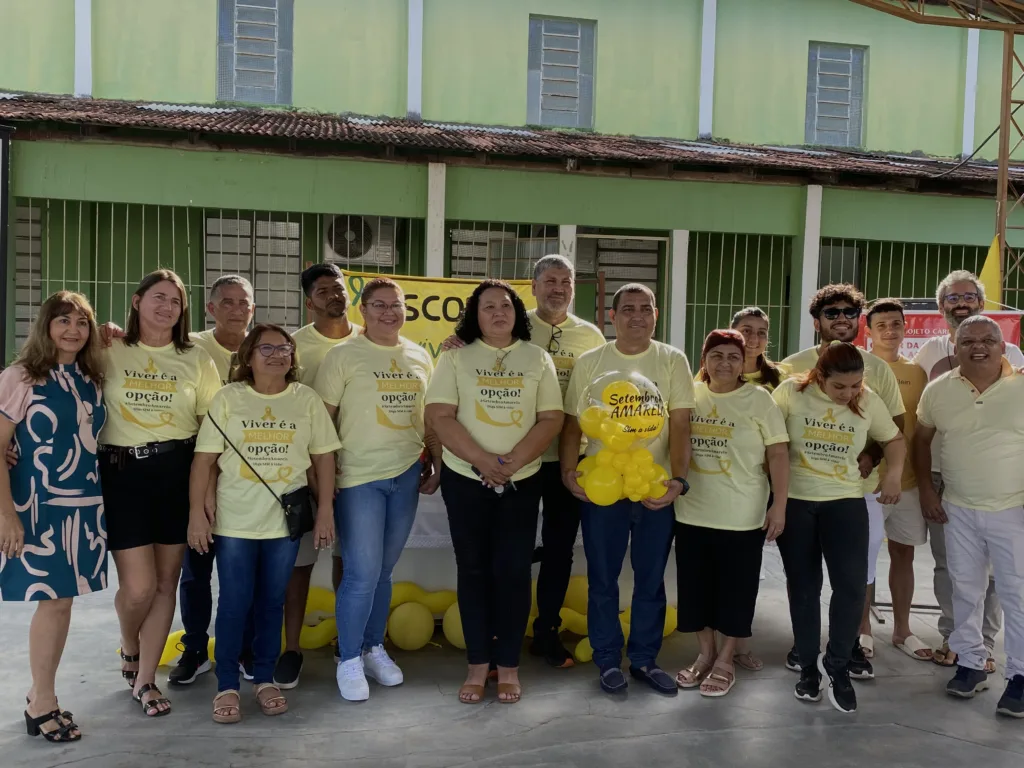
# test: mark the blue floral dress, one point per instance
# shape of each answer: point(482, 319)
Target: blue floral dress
point(55, 485)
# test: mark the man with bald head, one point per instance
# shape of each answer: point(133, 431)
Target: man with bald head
point(975, 409)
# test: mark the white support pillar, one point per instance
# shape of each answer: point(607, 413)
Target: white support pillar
point(970, 90)
point(435, 219)
point(708, 31)
point(414, 77)
point(811, 257)
point(83, 48)
point(679, 245)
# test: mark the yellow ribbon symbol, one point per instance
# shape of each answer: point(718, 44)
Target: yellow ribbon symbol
point(515, 417)
point(268, 415)
point(282, 475)
point(725, 465)
point(839, 471)
point(150, 367)
point(384, 421)
point(166, 419)
point(829, 417)
point(395, 368)
point(714, 412)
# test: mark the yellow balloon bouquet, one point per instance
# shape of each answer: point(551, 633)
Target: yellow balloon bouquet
point(621, 413)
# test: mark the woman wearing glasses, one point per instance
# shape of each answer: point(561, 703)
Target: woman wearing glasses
point(495, 406)
point(265, 429)
point(374, 387)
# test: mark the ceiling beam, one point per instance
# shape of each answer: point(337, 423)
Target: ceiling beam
point(997, 15)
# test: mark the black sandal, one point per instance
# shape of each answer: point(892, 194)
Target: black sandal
point(63, 712)
point(131, 675)
point(151, 708)
point(60, 734)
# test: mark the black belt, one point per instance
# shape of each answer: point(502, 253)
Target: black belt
point(119, 454)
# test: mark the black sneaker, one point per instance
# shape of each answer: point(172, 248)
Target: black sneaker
point(793, 660)
point(613, 681)
point(1011, 703)
point(840, 689)
point(190, 666)
point(967, 683)
point(809, 687)
point(245, 667)
point(657, 678)
point(860, 668)
point(549, 645)
point(286, 673)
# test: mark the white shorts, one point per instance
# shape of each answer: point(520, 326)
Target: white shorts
point(902, 523)
point(308, 553)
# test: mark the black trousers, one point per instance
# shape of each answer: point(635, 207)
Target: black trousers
point(560, 523)
point(837, 530)
point(493, 537)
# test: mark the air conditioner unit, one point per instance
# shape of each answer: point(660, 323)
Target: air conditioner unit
point(360, 240)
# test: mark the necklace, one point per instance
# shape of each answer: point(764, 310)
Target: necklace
point(499, 359)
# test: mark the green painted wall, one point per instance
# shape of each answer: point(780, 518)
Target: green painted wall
point(37, 45)
point(246, 180)
point(350, 56)
point(646, 75)
point(155, 51)
point(990, 79)
point(913, 89)
point(552, 198)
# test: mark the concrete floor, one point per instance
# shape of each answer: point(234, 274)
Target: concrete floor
point(563, 720)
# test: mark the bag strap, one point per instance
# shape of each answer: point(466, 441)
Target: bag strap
point(242, 457)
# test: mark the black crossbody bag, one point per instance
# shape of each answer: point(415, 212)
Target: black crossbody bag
point(297, 504)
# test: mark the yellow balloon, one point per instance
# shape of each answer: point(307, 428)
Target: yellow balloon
point(590, 421)
point(671, 620)
point(631, 477)
point(406, 592)
point(584, 467)
point(647, 472)
point(603, 486)
point(320, 600)
point(620, 441)
point(604, 458)
point(644, 489)
point(411, 626)
point(583, 652)
point(611, 428)
point(635, 496)
point(615, 392)
point(642, 457)
point(318, 636)
point(171, 651)
point(576, 595)
point(624, 623)
point(573, 621)
point(619, 460)
point(451, 625)
point(439, 602)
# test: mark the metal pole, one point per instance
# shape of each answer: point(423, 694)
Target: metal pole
point(6, 205)
point(1003, 183)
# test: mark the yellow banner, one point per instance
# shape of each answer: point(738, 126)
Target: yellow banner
point(432, 304)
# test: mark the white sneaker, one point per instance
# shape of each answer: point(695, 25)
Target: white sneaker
point(352, 681)
point(381, 667)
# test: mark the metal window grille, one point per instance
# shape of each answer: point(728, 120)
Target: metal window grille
point(835, 95)
point(482, 249)
point(727, 272)
point(28, 290)
point(254, 51)
point(560, 73)
point(892, 269)
point(621, 260)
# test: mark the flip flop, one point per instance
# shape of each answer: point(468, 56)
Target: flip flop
point(748, 661)
point(867, 644)
point(990, 666)
point(912, 646)
point(943, 656)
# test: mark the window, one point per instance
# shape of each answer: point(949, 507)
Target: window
point(254, 51)
point(835, 95)
point(560, 76)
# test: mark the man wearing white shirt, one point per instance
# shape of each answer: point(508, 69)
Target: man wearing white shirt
point(959, 296)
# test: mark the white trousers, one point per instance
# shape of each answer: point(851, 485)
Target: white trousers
point(973, 540)
point(876, 532)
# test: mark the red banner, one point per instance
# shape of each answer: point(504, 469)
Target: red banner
point(923, 325)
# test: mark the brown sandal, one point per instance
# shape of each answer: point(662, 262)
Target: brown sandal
point(696, 672)
point(471, 690)
point(720, 680)
point(220, 711)
point(513, 692)
point(265, 703)
point(943, 656)
point(748, 661)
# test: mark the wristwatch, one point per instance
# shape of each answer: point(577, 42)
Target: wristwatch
point(686, 485)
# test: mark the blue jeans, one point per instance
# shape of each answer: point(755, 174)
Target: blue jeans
point(373, 521)
point(254, 576)
point(196, 602)
point(606, 534)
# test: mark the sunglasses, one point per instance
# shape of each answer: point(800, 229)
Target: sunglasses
point(833, 313)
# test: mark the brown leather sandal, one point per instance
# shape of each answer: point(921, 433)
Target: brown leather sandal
point(513, 692)
point(222, 713)
point(471, 690)
point(266, 702)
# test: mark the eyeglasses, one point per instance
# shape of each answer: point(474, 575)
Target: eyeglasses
point(281, 350)
point(555, 342)
point(379, 306)
point(956, 298)
point(833, 313)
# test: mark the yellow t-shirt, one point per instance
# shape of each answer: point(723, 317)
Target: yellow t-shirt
point(825, 440)
point(312, 347)
point(729, 433)
point(379, 393)
point(666, 367)
point(912, 380)
point(277, 434)
point(498, 394)
point(565, 343)
point(877, 375)
point(221, 355)
point(982, 450)
point(154, 394)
